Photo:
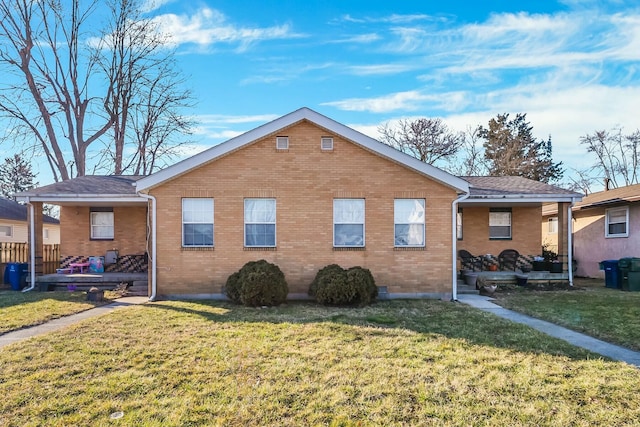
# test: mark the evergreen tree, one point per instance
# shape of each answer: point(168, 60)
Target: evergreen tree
point(15, 176)
point(511, 150)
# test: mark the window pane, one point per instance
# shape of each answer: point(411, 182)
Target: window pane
point(459, 225)
point(620, 228)
point(5, 230)
point(198, 234)
point(499, 219)
point(499, 232)
point(409, 211)
point(348, 235)
point(553, 225)
point(197, 210)
point(260, 234)
point(409, 235)
point(260, 211)
point(348, 211)
point(619, 215)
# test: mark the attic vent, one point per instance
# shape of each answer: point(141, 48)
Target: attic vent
point(282, 143)
point(326, 143)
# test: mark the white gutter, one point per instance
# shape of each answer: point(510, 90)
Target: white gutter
point(154, 266)
point(570, 242)
point(454, 246)
point(32, 249)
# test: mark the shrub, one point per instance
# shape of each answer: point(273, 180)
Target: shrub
point(257, 283)
point(335, 286)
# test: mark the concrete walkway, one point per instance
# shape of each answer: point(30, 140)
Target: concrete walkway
point(580, 340)
point(62, 322)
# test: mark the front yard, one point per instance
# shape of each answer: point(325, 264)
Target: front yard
point(394, 363)
point(19, 310)
point(609, 314)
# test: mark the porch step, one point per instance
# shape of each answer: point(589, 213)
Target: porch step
point(138, 288)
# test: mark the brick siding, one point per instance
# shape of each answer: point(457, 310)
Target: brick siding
point(304, 181)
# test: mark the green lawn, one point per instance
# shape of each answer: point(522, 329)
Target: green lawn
point(608, 314)
point(400, 363)
point(19, 310)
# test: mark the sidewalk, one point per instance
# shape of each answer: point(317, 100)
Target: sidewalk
point(54, 325)
point(580, 340)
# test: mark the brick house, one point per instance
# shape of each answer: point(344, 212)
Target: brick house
point(302, 191)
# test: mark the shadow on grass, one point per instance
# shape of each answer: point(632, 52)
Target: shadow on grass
point(428, 317)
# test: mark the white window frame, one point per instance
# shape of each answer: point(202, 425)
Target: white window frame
point(326, 143)
point(552, 225)
point(265, 222)
point(499, 211)
point(94, 226)
point(45, 234)
point(419, 220)
point(335, 211)
point(607, 222)
point(282, 142)
point(9, 229)
point(204, 219)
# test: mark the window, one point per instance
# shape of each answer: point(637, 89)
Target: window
point(45, 233)
point(326, 143)
point(499, 223)
point(348, 222)
point(552, 225)
point(408, 216)
point(197, 222)
point(282, 143)
point(616, 220)
point(101, 223)
point(260, 222)
point(459, 224)
point(6, 230)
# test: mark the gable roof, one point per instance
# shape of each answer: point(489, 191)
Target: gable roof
point(14, 211)
point(324, 122)
point(628, 194)
point(511, 188)
point(88, 189)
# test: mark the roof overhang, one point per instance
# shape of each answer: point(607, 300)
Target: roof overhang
point(528, 199)
point(86, 199)
point(368, 143)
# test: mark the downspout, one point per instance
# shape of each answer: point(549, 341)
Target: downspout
point(154, 280)
point(454, 246)
point(570, 241)
point(32, 248)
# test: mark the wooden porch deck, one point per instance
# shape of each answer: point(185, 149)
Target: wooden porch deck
point(84, 281)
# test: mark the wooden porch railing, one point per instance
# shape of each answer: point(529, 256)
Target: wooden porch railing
point(19, 252)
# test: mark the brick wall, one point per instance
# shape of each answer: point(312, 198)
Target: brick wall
point(304, 181)
point(129, 231)
point(525, 231)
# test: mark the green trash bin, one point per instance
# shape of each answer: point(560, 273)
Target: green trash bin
point(630, 272)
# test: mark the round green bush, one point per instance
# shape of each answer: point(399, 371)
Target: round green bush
point(335, 286)
point(258, 283)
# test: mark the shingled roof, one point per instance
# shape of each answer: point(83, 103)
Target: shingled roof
point(14, 211)
point(628, 194)
point(104, 185)
point(510, 187)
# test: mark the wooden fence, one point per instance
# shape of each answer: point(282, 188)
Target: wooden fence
point(19, 252)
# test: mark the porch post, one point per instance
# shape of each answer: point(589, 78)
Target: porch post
point(563, 235)
point(37, 219)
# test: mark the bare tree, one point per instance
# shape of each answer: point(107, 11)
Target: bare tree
point(617, 155)
point(470, 161)
point(428, 140)
point(69, 83)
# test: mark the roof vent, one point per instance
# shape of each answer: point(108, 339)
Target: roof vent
point(326, 143)
point(282, 143)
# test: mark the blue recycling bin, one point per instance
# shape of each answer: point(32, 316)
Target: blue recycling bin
point(612, 276)
point(14, 273)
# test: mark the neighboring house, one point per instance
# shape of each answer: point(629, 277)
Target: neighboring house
point(303, 191)
point(14, 226)
point(606, 227)
point(549, 231)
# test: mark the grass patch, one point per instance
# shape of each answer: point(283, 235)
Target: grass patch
point(208, 363)
point(609, 314)
point(21, 309)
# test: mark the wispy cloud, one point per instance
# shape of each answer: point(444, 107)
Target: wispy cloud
point(381, 69)
point(208, 27)
point(392, 19)
point(151, 5)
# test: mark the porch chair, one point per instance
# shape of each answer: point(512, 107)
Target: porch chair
point(508, 259)
point(468, 261)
